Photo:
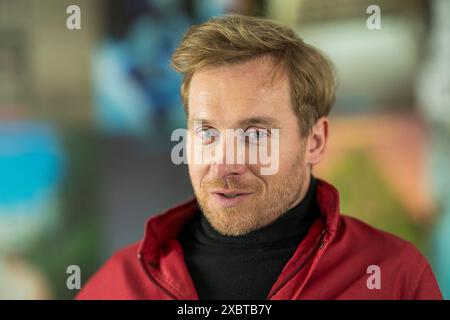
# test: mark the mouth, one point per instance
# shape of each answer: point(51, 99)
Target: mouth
point(229, 198)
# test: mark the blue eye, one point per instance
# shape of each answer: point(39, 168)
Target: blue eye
point(208, 135)
point(255, 135)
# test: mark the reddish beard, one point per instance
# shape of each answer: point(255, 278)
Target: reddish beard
point(260, 209)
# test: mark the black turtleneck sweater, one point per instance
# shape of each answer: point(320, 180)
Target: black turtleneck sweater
point(245, 267)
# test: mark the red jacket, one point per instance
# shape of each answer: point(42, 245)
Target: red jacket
point(332, 262)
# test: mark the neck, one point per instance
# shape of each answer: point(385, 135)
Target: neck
point(303, 190)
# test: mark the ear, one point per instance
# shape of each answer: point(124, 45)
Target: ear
point(317, 142)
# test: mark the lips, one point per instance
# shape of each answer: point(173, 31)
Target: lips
point(231, 195)
point(229, 198)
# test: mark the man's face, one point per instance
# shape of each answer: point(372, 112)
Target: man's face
point(237, 198)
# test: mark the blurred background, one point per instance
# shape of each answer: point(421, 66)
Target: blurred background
point(86, 116)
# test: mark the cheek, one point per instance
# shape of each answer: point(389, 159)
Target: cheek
point(290, 153)
point(197, 172)
point(253, 171)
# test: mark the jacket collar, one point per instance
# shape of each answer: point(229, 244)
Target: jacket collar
point(161, 229)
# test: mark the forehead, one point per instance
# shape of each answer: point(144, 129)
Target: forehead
point(228, 93)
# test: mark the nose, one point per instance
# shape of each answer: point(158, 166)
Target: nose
point(228, 164)
point(224, 170)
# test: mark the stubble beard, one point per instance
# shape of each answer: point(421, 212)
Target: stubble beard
point(262, 208)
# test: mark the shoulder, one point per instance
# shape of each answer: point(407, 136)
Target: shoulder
point(126, 257)
point(112, 276)
point(361, 235)
point(399, 260)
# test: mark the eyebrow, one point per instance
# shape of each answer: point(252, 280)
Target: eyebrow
point(258, 120)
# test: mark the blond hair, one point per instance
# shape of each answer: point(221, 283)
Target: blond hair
point(235, 38)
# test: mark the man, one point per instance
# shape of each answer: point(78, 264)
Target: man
point(249, 235)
